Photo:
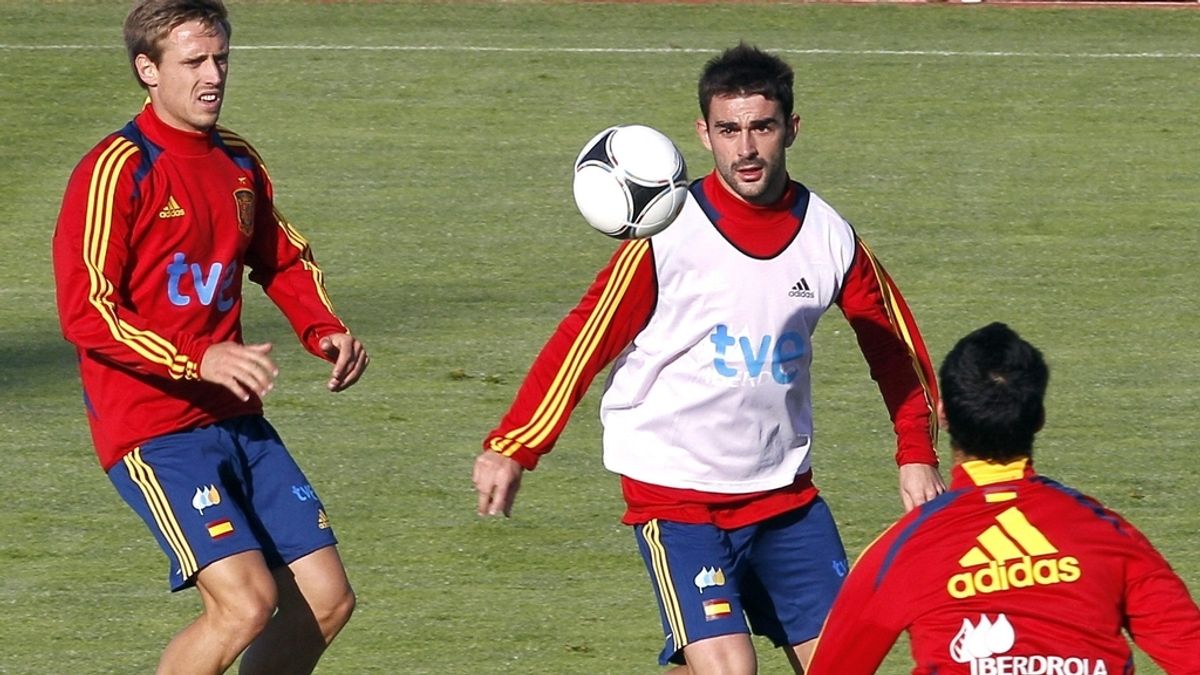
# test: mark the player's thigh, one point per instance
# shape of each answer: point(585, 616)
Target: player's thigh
point(183, 488)
point(694, 572)
point(282, 501)
point(798, 564)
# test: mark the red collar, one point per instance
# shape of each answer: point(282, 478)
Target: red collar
point(759, 231)
point(747, 214)
point(176, 141)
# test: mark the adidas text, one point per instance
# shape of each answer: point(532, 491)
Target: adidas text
point(801, 290)
point(1020, 574)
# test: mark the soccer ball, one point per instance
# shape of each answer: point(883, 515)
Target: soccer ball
point(630, 181)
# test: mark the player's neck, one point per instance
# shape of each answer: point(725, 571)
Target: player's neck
point(728, 200)
point(173, 139)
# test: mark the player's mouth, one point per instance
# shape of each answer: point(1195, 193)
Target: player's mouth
point(749, 173)
point(210, 100)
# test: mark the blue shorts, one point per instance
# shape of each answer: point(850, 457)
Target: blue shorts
point(780, 575)
point(214, 491)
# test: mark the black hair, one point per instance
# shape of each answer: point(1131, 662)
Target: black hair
point(746, 70)
point(993, 393)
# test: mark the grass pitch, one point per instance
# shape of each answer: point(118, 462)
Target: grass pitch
point(1035, 166)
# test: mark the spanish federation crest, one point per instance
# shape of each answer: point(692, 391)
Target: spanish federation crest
point(245, 210)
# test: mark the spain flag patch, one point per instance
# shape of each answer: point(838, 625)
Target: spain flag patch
point(220, 528)
point(716, 609)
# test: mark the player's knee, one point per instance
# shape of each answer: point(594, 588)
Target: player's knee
point(336, 612)
point(252, 617)
point(722, 655)
point(329, 609)
point(248, 615)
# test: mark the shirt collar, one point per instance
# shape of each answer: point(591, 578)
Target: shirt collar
point(765, 216)
point(178, 141)
point(978, 472)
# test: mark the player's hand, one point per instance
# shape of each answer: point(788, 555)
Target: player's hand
point(918, 484)
point(497, 479)
point(349, 359)
point(242, 369)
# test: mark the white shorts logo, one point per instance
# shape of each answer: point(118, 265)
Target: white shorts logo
point(709, 577)
point(983, 645)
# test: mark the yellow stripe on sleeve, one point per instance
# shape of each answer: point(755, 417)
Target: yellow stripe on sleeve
point(96, 232)
point(550, 411)
point(901, 329)
point(306, 257)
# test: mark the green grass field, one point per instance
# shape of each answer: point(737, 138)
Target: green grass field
point(1035, 166)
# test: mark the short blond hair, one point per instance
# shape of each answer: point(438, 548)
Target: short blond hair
point(150, 21)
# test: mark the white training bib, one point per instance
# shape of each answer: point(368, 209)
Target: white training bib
point(714, 393)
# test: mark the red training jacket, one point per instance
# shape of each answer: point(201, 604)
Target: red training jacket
point(155, 229)
point(1011, 573)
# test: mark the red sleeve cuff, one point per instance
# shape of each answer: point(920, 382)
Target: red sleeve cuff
point(194, 349)
point(916, 455)
point(511, 449)
point(526, 458)
point(312, 339)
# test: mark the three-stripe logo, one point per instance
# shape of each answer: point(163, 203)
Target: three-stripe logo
point(1011, 554)
point(172, 209)
point(801, 290)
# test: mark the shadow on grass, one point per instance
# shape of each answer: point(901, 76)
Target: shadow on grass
point(37, 361)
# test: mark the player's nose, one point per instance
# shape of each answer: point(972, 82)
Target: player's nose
point(746, 146)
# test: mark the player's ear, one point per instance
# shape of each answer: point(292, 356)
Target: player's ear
point(941, 416)
point(702, 132)
point(793, 130)
point(146, 69)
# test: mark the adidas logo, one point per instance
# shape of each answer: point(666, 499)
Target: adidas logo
point(322, 519)
point(800, 290)
point(1011, 554)
point(172, 209)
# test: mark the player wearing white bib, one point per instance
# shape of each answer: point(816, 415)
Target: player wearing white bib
point(734, 339)
point(707, 411)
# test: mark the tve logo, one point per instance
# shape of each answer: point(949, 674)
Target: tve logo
point(777, 352)
point(304, 492)
point(208, 286)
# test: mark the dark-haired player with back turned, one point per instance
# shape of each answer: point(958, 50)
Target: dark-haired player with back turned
point(1008, 572)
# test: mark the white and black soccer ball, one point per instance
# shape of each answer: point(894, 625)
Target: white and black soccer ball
point(630, 181)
